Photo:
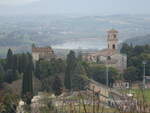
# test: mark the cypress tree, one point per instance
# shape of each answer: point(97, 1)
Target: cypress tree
point(9, 76)
point(57, 86)
point(30, 69)
point(15, 62)
point(22, 62)
point(9, 59)
point(79, 78)
point(27, 86)
point(71, 63)
point(38, 70)
point(2, 73)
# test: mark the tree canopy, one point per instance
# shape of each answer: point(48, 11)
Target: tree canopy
point(136, 55)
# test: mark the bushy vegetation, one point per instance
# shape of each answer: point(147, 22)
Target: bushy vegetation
point(72, 73)
point(136, 55)
point(57, 86)
point(14, 67)
point(8, 102)
point(98, 73)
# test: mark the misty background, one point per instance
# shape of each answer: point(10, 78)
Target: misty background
point(71, 24)
point(90, 7)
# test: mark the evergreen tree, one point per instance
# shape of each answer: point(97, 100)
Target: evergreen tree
point(2, 73)
point(15, 63)
point(71, 64)
point(57, 86)
point(136, 55)
point(130, 74)
point(79, 78)
point(9, 76)
point(38, 70)
point(22, 62)
point(60, 66)
point(127, 49)
point(9, 59)
point(98, 73)
point(16, 75)
point(27, 86)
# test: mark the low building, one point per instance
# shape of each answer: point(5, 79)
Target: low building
point(45, 53)
point(110, 56)
point(121, 85)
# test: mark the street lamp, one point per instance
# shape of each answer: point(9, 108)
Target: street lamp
point(107, 71)
point(107, 79)
point(144, 63)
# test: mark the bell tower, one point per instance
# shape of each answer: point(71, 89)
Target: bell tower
point(112, 39)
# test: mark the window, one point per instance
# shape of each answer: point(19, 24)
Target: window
point(114, 47)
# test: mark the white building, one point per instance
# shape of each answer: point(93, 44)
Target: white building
point(45, 53)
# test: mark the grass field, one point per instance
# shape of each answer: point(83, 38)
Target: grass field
point(139, 93)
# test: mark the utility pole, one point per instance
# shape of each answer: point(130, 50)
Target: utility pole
point(144, 63)
point(107, 70)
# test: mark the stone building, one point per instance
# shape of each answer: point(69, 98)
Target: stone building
point(100, 89)
point(45, 53)
point(110, 56)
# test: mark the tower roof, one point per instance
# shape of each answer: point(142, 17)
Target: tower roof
point(112, 31)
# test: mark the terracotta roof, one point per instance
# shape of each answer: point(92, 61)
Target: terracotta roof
point(42, 49)
point(112, 31)
point(105, 52)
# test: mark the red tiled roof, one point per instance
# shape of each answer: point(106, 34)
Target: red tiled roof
point(105, 52)
point(42, 49)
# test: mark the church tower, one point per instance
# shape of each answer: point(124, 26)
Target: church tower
point(112, 39)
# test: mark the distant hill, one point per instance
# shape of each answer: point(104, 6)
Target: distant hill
point(68, 31)
point(140, 40)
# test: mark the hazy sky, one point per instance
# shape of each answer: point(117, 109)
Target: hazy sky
point(15, 2)
point(76, 6)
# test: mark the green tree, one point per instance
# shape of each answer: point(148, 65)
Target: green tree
point(130, 74)
point(98, 73)
point(2, 74)
point(3, 63)
point(9, 59)
point(79, 78)
point(60, 66)
point(22, 62)
point(127, 49)
point(15, 63)
point(46, 69)
point(27, 86)
point(43, 69)
point(86, 67)
point(136, 55)
point(57, 86)
point(37, 70)
point(9, 76)
point(8, 102)
point(71, 64)
point(16, 75)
